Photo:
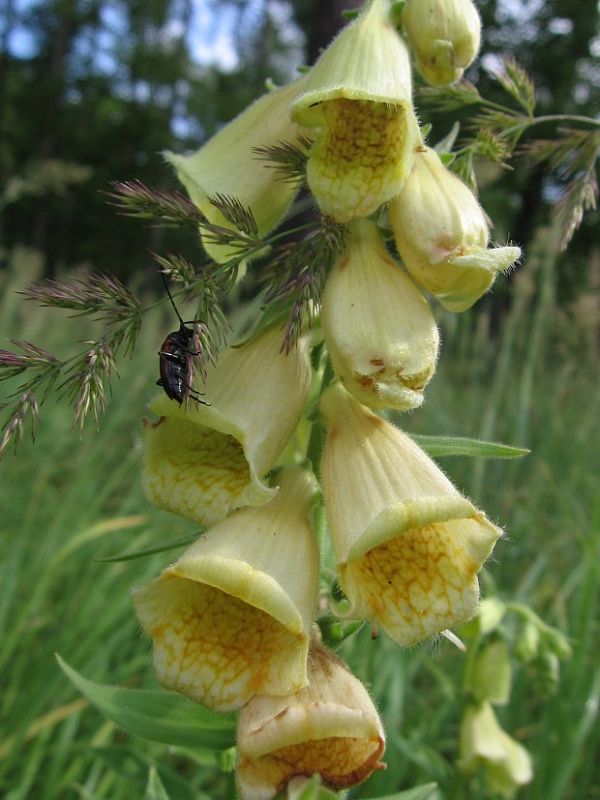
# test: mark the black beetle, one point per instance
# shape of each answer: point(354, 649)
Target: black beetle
point(175, 360)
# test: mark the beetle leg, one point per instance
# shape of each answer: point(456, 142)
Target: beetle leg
point(169, 356)
point(196, 396)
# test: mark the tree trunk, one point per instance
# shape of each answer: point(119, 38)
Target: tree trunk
point(325, 21)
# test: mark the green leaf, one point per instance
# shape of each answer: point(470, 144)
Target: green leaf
point(154, 788)
point(150, 551)
point(157, 715)
point(462, 446)
point(423, 792)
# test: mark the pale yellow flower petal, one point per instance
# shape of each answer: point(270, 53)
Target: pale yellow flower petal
point(507, 763)
point(419, 582)
point(232, 616)
point(380, 333)
point(228, 165)
point(202, 461)
point(358, 98)
point(331, 727)
point(408, 545)
point(507, 776)
point(442, 235)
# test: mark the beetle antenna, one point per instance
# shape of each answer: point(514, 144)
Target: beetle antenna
point(166, 285)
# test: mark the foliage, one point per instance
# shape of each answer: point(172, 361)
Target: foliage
point(497, 129)
point(68, 504)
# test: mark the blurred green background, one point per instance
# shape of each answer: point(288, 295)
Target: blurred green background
point(92, 92)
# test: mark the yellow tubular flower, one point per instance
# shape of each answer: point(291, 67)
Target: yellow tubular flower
point(232, 616)
point(408, 545)
point(507, 763)
point(444, 35)
point(442, 235)
point(205, 460)
point(331, 728)
point(380, 332)
point(358, 98)
point(228, 165)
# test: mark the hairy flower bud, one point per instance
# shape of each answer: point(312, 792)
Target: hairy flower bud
point(202, 461)
point(489, 675)
point(232, 616)
point(507, 764)
point(444, 35)
point(408, 545)
point(443, 237)
point(331, 727)
point(228, 165)
point(358, 97)
point(380, 332)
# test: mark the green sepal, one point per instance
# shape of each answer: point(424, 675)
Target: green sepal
point(335, 630)
point(444, 147)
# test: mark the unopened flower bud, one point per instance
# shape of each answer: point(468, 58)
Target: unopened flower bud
point(358, 98)
point(232, 616)
point(527, 645)
point(490, 614)
point(443, 237)
point(330, 728)
point(228, 165)
point(547, 665)
point(408, 545)
point(557, 642)
point(507, 764)
point(380, 332)
point(490, 675)
point(202, 461)
point(444, 36)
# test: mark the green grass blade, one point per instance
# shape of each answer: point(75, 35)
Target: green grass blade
point(151, 551)
point(159, 716)
point(154, 788)
point(423, 792)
